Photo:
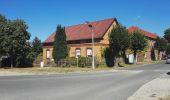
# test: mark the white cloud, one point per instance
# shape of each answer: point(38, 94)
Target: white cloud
point(137, 18)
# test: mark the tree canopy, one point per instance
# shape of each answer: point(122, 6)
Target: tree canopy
point(60, 50)
point(167, 34)
point(118, 42)
point(14, 40)
point(160, 44)
point(37, 45)
point(138, 42)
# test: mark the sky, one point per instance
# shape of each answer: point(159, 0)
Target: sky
point(42, 16)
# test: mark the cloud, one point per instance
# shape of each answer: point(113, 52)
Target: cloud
point(137, 18)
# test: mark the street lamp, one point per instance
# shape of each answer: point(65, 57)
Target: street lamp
point(92, 32)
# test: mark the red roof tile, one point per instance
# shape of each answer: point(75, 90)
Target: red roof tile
point(145, 33)
point(82, 31)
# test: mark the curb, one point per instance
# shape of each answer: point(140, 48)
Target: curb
point(157, 89)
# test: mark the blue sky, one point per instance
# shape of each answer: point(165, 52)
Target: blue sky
point(42, 16)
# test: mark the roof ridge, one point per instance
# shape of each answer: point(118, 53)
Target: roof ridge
point(146, 33)
point(140, 29)
point(91, 22)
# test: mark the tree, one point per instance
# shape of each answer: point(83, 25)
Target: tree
point(60, 50)
point(119, 41)
point(3, 21)
point(109, 56)
point(27, 58)
point(168, 49)
point(167, 35)
point(138, 43)
point(14, 40)
point(160, 45)
point(36, 45)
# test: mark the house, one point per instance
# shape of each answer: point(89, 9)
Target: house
point(79, 38)
point(150, 53)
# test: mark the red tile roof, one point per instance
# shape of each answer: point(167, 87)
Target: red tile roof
point(145, 33)
point(82, 31)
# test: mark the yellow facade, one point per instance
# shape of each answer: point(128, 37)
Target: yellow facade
point(83, 48)
point(105, 37)
point(98, 47)
point(50, 48)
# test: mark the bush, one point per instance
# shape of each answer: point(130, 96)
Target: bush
point(82, 62)
point(109, 57)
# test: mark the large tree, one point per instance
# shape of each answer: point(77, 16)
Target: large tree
point(2, 25)
point(160, 45)
point(3, 22)
point(138, 42)
point(60, 44)
point(119, 41)
point(167, 34)
point(14, 40)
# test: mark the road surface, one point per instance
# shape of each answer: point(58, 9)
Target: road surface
point(106, 85)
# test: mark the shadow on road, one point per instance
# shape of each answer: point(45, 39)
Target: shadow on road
point(168, 73)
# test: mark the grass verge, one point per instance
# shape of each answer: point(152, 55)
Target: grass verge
point(167, 98)
point(53, 70)
point(47, 70)
point(139, 64)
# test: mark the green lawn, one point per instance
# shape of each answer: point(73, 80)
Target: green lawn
point(47, 70)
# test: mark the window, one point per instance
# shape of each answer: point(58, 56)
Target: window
point(78, 52)
point(48, 53)
point(89, 52)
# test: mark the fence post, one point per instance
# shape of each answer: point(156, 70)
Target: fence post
point(77, 61)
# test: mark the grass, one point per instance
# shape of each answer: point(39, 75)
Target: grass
point(47, 70)
point(166, 98)
point(139, 64)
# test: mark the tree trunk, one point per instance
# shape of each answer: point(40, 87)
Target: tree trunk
point(135, 58)
point(124, 57)
point(12, 62)
point(158, 55)
point(116, 62)
point(0, 63)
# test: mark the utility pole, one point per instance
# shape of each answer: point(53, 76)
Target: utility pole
point(92, 32)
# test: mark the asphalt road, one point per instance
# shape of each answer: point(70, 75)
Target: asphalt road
point(117, 85)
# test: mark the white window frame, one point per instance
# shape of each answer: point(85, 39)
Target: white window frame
point(48, 53)
point(78, 52)
point(89, 52)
